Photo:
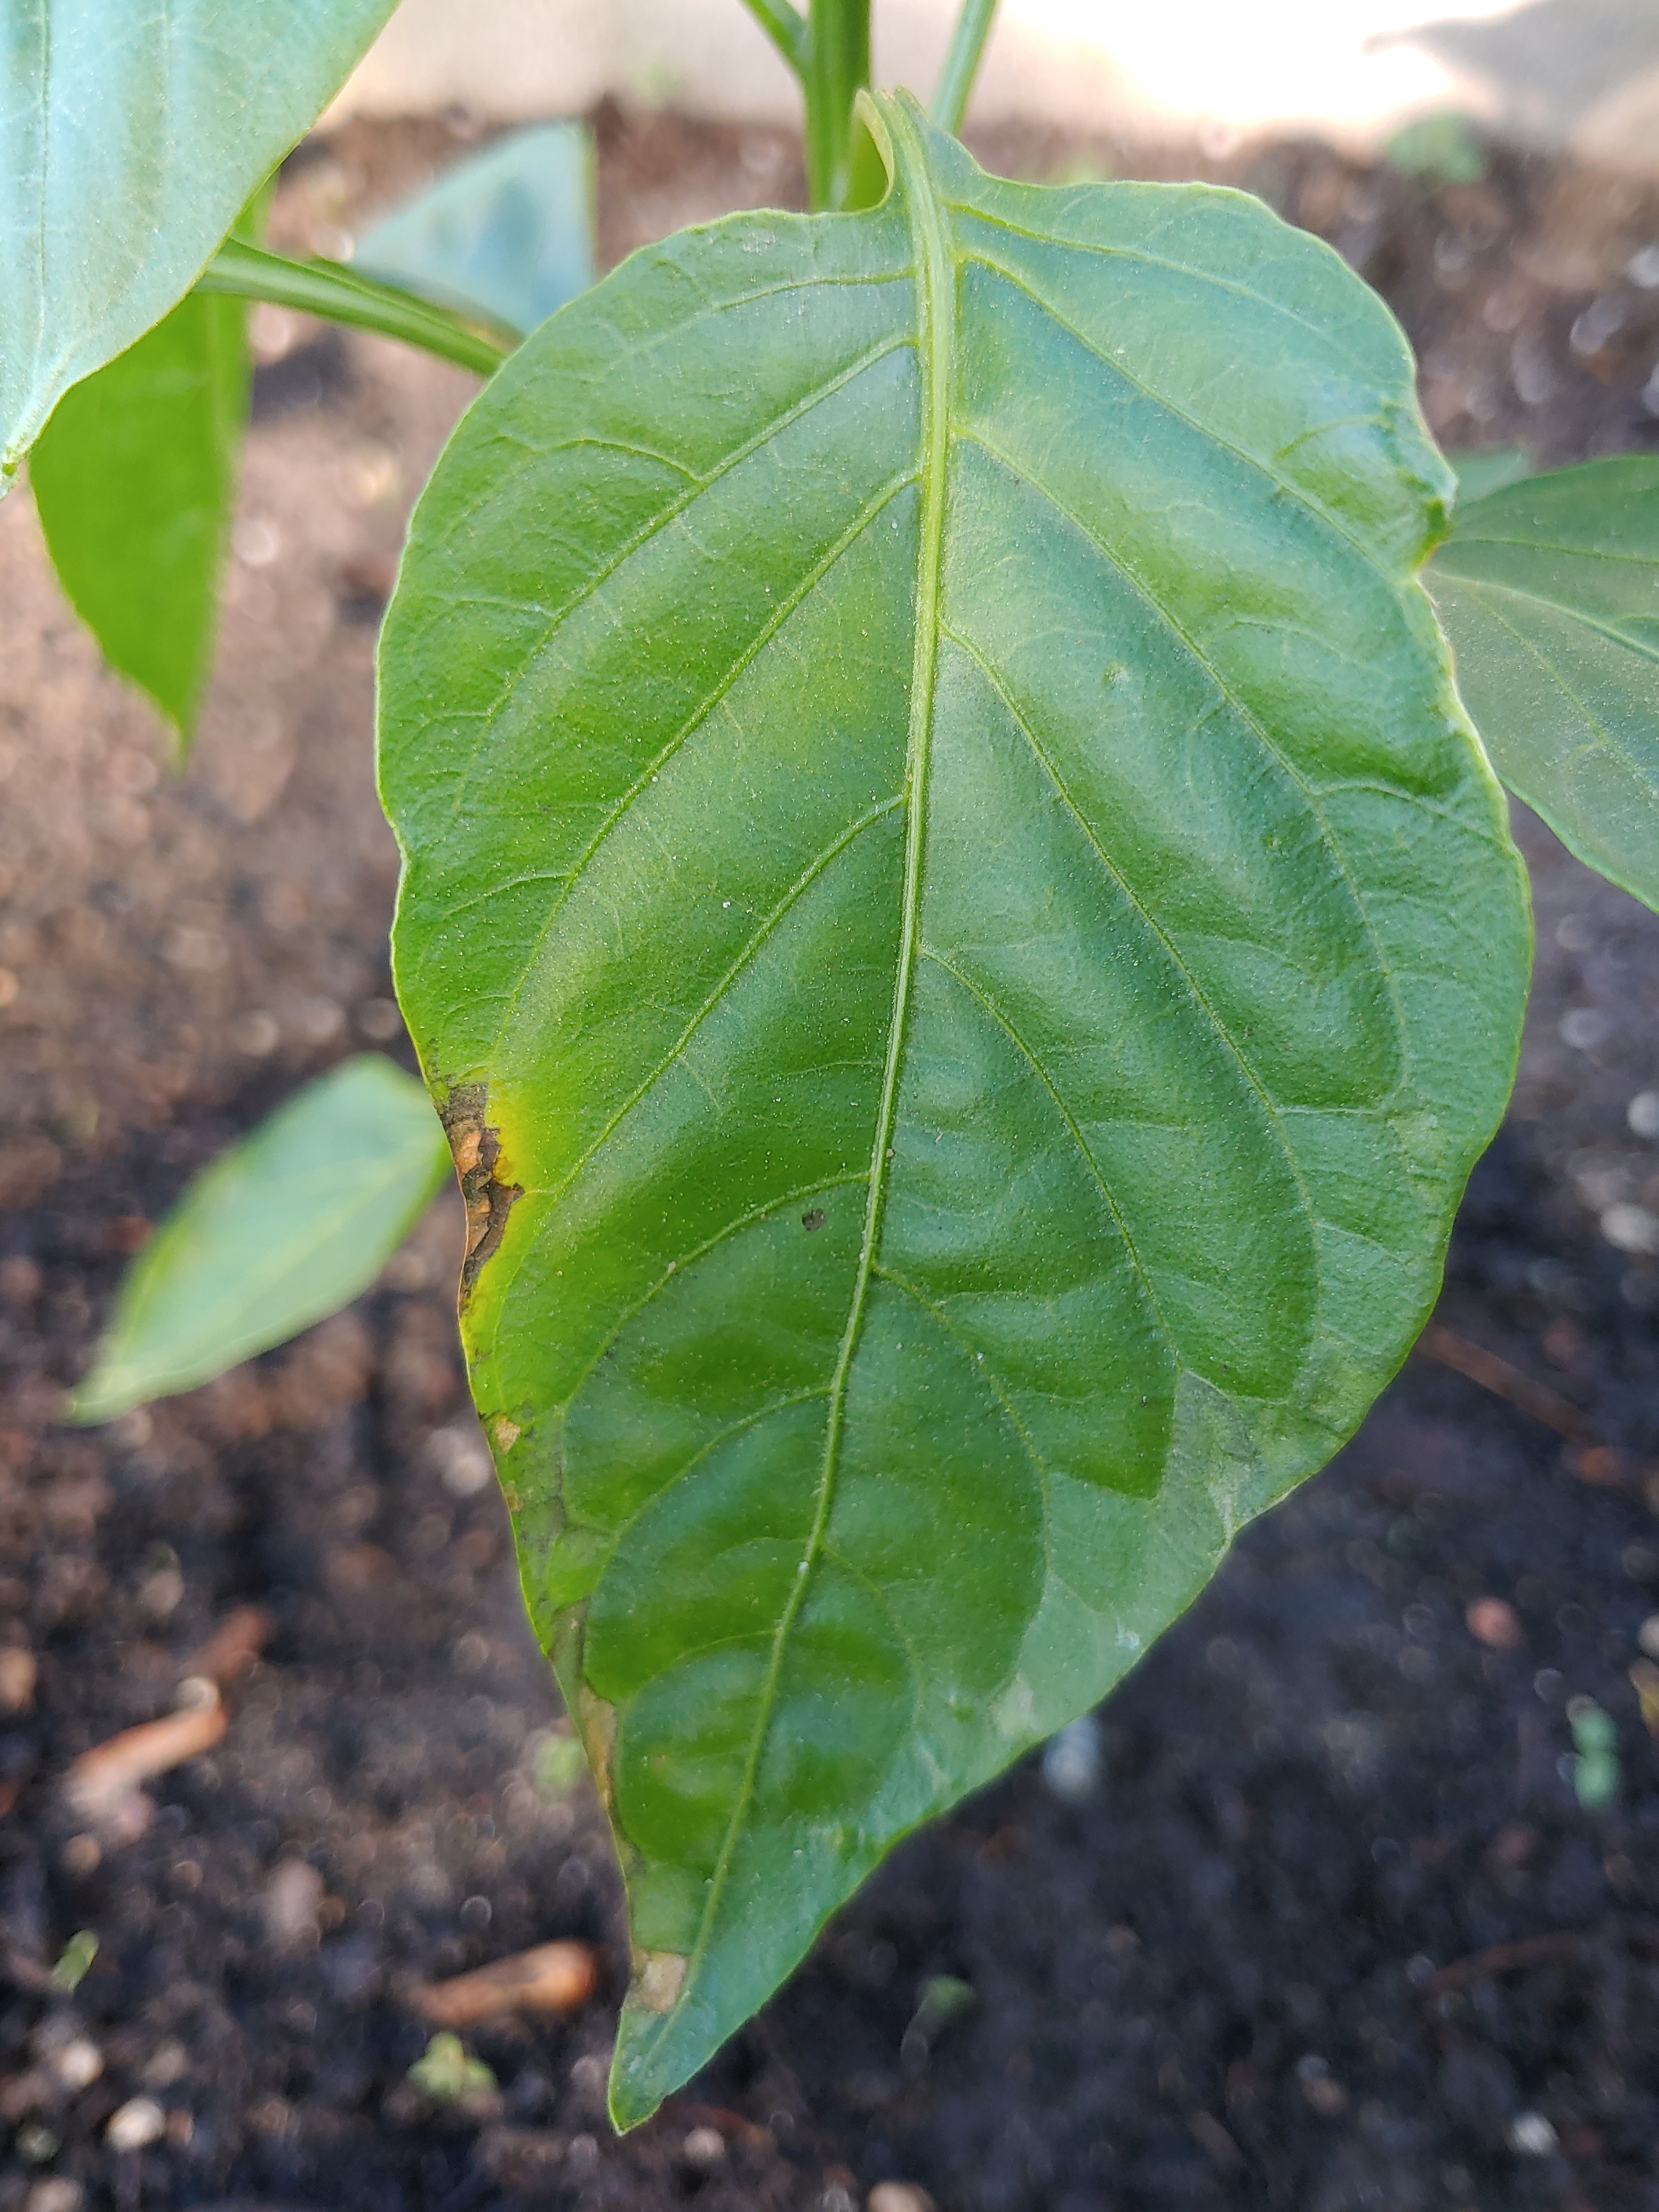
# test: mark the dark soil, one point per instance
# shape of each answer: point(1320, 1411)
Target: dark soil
point(1329, 1928)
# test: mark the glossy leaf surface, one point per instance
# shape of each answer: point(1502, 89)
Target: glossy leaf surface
point(966, 951)
point(134, 480)
point(1549, 591)
point(288, 1225)
point(509, 232)
point(131, 132)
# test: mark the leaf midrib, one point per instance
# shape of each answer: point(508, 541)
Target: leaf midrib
point(935, 348)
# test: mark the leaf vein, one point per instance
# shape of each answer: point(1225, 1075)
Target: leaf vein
point(768, 923)
point(935, 349)
point(1042, 1075)
point(751, 652)
point(1314, 508)
point(1251, 720)
point(809, 400)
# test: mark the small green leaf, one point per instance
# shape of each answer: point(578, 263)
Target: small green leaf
point(74, 1962)
point(946, 1998)
point(289, 1224)
point(1439, 149)
point(134, 480)
point(1597, 1777)
point(508, 233)
point(967, 950)
point(447, 2073)
point(130, 133)
point(1549, 591)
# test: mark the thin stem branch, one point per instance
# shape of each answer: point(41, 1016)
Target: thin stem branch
point(337, 294)
point(786, 27)
point(962, 64)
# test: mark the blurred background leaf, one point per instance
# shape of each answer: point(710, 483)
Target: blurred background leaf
point(1439, 149)
point(1549, 591)
point(105, 214)
point(135, 479)
point(288, 1225)
point(509, 233)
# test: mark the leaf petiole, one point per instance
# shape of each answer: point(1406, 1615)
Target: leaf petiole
point(340, 295)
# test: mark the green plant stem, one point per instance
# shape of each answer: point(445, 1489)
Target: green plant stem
point(837, 68)
point(340, 296)
point(962, 64)
point(786, 27)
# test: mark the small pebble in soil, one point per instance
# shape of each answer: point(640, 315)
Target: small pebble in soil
point(135, 2125)
point(1648, 1636)
point(1319, 2086)
point(1531, 2136)
point(76, 2064)
point(1583, 1028)
point(17, 1678)
point(1495, 1625)
point(379, 1020)
point(1643, 1114)
point(55, 2195)
point(256, 1035)
point(168, 2062)
point(897, 2196)
point(289, 1907)
point(703, 2148)
point(461, 1457)
point(1071, 1764)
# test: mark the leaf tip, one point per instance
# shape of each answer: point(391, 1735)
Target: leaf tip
point(640, 2078)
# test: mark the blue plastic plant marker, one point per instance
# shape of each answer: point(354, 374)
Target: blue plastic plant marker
point(509, 233)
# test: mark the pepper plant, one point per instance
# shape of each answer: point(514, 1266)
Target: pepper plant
point(961, 934)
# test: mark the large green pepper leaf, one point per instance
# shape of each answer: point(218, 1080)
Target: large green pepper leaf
point(130, 133)
point(134, 480)
point(1549, 591)
point(966, 951)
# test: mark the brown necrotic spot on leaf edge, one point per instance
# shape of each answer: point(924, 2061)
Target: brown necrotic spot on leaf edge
point(658, 1977)
point(475, 1147)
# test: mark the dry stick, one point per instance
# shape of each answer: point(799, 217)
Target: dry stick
point(1496, 1375)
point(1565, 1943)
point(234, 1646)
point(105, 1779)
point(554, 1977)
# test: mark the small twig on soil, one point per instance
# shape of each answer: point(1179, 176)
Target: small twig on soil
point(1563, 1944)
point(1445, 1345)
point(553, 1977)
point(234, 1646)
point(102, 1785)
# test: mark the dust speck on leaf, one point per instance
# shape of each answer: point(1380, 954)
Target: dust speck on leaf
point(814, 1217)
